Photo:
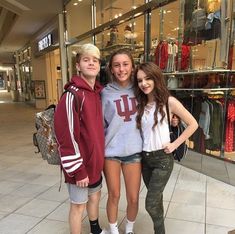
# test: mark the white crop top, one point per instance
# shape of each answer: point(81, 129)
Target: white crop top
point(154, 139)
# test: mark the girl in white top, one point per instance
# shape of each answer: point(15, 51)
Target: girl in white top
point(157, 162)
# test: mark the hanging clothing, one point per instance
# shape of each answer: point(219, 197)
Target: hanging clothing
point(204, 119)
point(185, 57)
point(230, 127)
point(213, 26)
point(172, 53)
point(161, 54)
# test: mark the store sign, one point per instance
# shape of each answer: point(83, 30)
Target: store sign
point(45, 42)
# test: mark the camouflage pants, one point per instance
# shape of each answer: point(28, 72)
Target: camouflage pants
point(156, 170)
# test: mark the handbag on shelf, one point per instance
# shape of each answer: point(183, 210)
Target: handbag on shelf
point(175, 132)
point(199, 18)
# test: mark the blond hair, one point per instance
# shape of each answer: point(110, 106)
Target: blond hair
point(88, 49)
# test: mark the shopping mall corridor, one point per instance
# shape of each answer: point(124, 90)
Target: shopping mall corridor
point(31, 203)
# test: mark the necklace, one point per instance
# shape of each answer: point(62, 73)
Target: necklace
point(148, 107)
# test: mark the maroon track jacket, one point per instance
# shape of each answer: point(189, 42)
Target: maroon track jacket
point(80, 134)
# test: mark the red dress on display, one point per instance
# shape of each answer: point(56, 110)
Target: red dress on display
point(229, 139)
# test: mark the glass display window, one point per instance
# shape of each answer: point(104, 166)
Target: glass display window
point(78, 16)
point(192, 42)
point(164, 36)
point(206, 31)
point(129, 34)
point(107, 10)
point(25, 79)
point(201, 35)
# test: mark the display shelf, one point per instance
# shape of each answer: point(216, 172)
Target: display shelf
point(121, 45)
point(191, 72)
point(202, 89)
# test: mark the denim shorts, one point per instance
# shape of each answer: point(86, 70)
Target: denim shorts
point(134, 158)
point(78, 195)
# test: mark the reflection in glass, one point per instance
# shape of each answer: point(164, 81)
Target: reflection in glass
point(129, 34)
point(164, 36)
point(78, 18)
point(107, 10)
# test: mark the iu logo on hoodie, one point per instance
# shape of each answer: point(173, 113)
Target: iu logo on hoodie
point(129, 105)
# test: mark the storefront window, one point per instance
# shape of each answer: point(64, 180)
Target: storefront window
point(197, 32)
point(26, 83)
point(78, 18)
point(204, 32)
point(107, 10)
point(25, 76)
point(164, 34)
point(191, 41)
point(129, 34)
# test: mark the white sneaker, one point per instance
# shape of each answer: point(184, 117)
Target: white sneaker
point(107, 232)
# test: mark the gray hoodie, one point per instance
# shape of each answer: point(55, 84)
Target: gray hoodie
point(122, 138)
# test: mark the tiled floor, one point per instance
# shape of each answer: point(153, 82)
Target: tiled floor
point(30, 202)
point(218, 169)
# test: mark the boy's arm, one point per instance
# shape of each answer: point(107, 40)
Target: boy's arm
point(65, 121)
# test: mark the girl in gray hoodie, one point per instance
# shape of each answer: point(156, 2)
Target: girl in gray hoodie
point(123, 143)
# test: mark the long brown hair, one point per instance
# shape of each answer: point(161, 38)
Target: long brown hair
point(160, 92)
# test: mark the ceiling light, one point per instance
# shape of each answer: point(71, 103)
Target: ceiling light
point(75, 4)
point(175, 29)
